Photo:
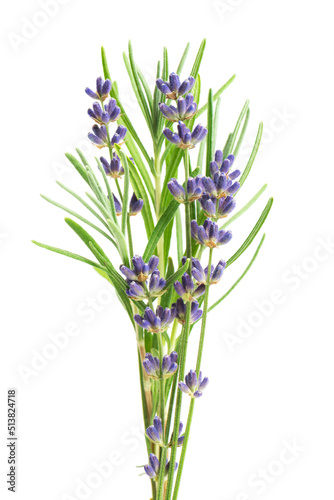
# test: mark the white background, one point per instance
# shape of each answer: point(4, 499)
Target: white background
point(273, 387)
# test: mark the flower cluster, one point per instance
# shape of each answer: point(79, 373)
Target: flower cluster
point(152, 365)
point(135, 205)
point(200, 275)
point(194, 387)
point(153, 468)
point(155, 433)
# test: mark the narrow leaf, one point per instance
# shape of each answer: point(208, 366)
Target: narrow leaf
point(159, 229)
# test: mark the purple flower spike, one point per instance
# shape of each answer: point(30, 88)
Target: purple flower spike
point(103, 89)
point(136, 205)
point(154, 432)
point(156, 322)
point(225, 206)
point(220, 185)
point(174, 89)
point(154, 288)
point(194, 387)
point(141, 271)
point(185, 139)
point(201, 275)
point(109, 114)
point(209, 234)
point(152, 365)
point(99, 137)
point(153, 468)
point(114, 168)
point(119, 135)
point(194, 189)
point(187, 290)
point(186, 108)
point(180, 306)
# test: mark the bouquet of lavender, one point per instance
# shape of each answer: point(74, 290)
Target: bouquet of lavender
point(165, 292)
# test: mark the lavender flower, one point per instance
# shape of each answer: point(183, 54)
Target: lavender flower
point(187, 290)
point(174, 88)
point(136, 205)
point(181, 308)
point(220, 185)
point(155, 433)
point(185, 139)
point(193, 387)
point(152, 365)
point(209, 234)
point(223, 166)
point(141, 271)
point(225, 206)
point(118, 136)
point(186, 108)
point(103, 89)
point(140, 291)
point(194, 189)
point(99, 137)
point(153, 468)
point(109, 114)
point(201, 275)
point(114, 168)
point(156, 322)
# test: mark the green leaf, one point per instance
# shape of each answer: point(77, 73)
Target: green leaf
point(116, 280)
point(78, 167)
point(240, 277)
point(119, 237)
point(215, 124)
point(237, 127)
point(171, 171)
point(253, 155)
point(216, 95)
point(140, 166)
point(124, 119)
point(242, 134)
point(70, 254)
point(252, 234)
point(75, 195)
point(159, 229)
point(140, 191)
point(167, 239)
point(200, 158)
point(166, 297)
point(209, 137)
point(183, 59)
point(198, 60)
point(135, 81)
point(126, 188)
point(146, 88)
point(68, 210)
point(197, 94)
point(179, 233)
point(110, 195)
point(177, 275)
point(245, 207)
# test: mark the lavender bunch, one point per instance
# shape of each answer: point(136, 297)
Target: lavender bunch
point(166, 290)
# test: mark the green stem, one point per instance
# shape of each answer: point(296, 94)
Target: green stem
point(198, 366)
point(157, 166)
point(184, 341)
point(130, 237)
point(163, 453)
